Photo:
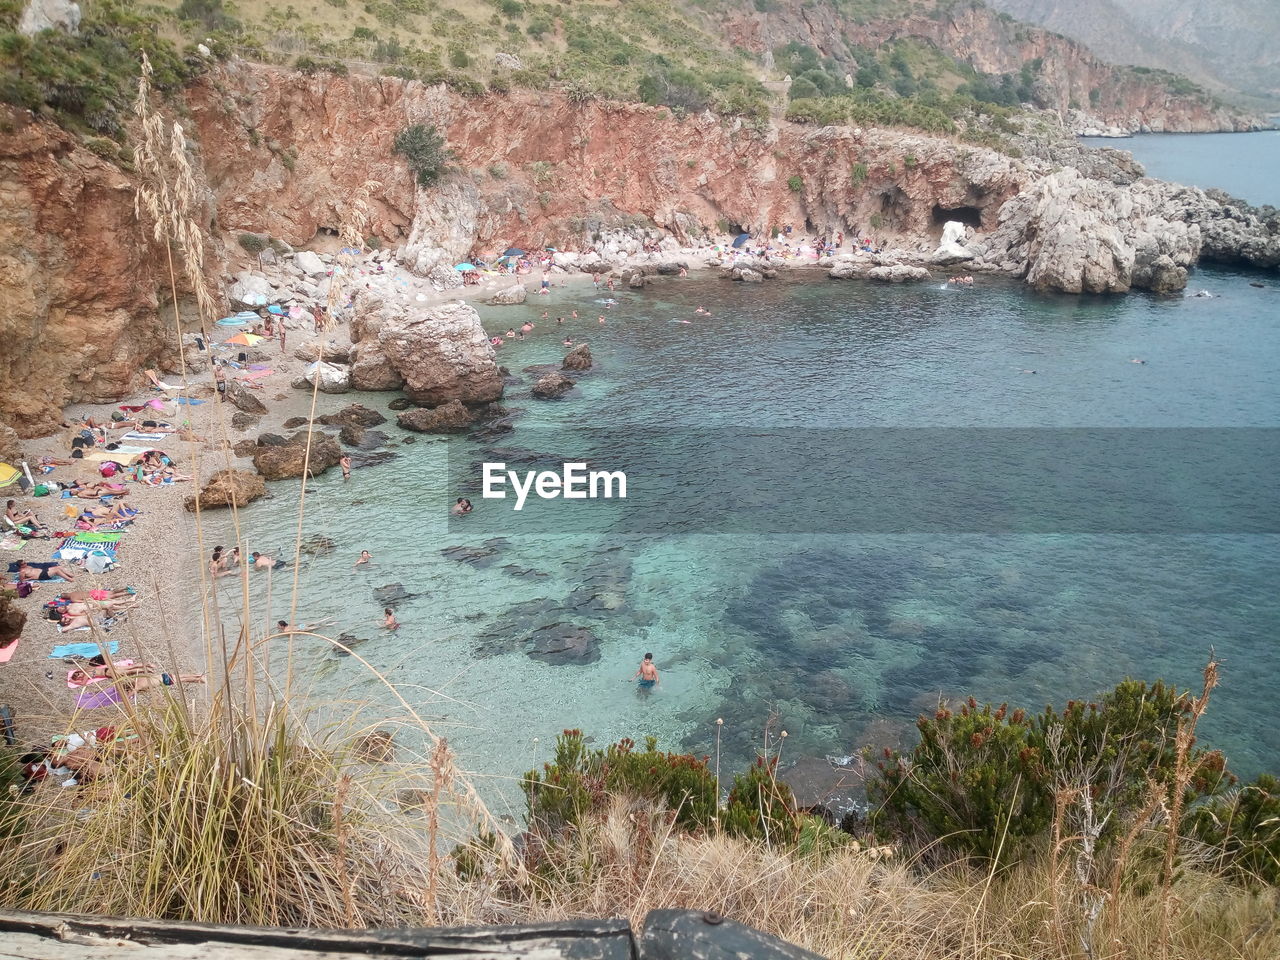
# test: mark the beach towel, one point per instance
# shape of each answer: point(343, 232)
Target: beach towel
point(254, 375)
point(193, 401)
point(106, 540)
point(6, 652)
point(85, 650)
point(143, 438)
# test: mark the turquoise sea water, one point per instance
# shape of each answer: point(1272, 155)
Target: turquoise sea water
point(839, 638)
point(1243, 164)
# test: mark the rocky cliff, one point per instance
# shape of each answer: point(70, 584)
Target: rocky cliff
point(1225, 44)
point(80, 282)
point(280, 154)
point(1089, 93)
point(538, 169)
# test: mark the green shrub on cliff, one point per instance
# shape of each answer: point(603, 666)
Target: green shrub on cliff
point(983, 779)
point(88, 80)
point(423, 146)
point(579, 782)
point(1244, 827)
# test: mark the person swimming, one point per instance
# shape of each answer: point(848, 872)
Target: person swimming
point(568, 341)
point(389, 621)
point(365, 557)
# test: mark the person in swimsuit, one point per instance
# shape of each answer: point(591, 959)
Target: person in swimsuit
point(647, 673)
point(365, 557)
point(42, 571)
point(345, 463)
point(389, 621)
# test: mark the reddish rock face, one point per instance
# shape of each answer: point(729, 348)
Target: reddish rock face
point(78, 278)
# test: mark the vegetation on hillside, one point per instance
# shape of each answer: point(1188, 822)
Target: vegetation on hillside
point(675, 55)
point(87, 81)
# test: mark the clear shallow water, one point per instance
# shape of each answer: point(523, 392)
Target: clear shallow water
point(842, 639)
point(1243, 164)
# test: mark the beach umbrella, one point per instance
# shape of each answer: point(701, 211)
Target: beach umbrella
point(464, 267)
point(741, 239)
point(513, 252)
point(245, 339)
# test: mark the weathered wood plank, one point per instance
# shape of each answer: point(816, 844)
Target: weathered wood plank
point(58, 937)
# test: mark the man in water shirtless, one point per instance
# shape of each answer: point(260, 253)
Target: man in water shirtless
point(647, 673)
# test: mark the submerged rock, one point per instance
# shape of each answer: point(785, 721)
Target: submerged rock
point(563, 643)
point(392, 593)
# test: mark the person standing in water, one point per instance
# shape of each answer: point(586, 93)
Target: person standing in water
point(647, 673)
point(345, 463)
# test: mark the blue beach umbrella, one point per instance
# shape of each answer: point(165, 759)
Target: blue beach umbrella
point(741, 239)
point(464, 267)
point(513, 252)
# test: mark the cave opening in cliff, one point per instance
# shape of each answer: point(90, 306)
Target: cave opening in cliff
point(969, 216)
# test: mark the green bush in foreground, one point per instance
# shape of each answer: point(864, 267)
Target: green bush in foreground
point(984, 779)
point(1245, 826)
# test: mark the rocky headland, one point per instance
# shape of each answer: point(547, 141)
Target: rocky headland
point(624, 189)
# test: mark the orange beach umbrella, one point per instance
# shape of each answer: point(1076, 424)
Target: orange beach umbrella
point(245, 339)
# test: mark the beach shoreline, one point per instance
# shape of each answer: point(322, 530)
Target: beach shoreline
point(163, 552)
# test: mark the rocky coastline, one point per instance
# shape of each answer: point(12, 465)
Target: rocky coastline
point(619, 188)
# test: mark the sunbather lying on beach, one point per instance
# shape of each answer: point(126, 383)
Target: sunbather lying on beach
point(79, 607)
point(83, 596)
point(94, 491)
point(105, 691)
point(43, 571)
point(164, 475)
point(120, 510)
point(122, 668)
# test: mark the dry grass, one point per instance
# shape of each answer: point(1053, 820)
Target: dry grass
point(853, 904)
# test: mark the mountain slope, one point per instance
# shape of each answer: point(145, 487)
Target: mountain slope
point(1225, 43)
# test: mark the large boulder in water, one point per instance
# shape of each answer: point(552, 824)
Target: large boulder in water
point(579, 358)
point(226, 488)
point(441, 353)
point(451, 417)
point(354, 415)
point(552, 386)
point(510, 296)
point(280, 461)
point(898, 273)
point(1071, 234)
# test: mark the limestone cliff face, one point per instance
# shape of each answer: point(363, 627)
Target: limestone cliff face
point(539, 170)
point(78, 278)
point(1072, 80)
